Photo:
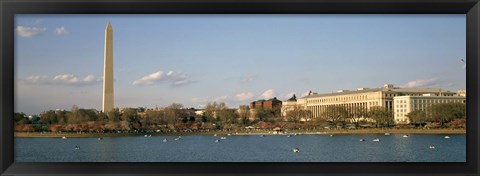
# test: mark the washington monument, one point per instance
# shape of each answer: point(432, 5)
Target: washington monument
point(107, 104)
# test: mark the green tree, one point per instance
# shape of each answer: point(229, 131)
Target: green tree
point(102, 117)
point(418, 117)
point(381, 115)
point(146, 121)
point(130, 116)
point(49, 117)
point(114, 115)
point(62, 117)
point(21, 118)
point(446, 112)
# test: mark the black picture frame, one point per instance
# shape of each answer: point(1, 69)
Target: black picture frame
point(8, 9)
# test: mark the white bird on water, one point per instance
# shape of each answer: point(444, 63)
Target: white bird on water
point(296, 150)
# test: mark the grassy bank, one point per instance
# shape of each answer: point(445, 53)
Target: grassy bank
point(255, 132)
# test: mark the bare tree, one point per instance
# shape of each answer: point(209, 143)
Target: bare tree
point(297, 114)
point(244, 113)
point(335, 114)
point(173, 113)
point(356, 114)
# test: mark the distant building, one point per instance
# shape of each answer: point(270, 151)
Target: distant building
point(200, 112)
point(289, 105)
point(361, 98)
point(407, 104)
point(267, 104)
point(462, 93)
point(273, 104)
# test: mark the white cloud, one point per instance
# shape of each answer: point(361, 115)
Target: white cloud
point(62, 31)
point(244, 96)
point(221, 98)
point(36, 79)
point(270, 93)
point(289, 95)
point(63, 79)
point(29, 31)
point(421, 83)
point(172, 78)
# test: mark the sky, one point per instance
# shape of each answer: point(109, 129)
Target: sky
point(196, 59)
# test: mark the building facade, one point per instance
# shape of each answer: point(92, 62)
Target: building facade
point(361, 99)
point(267, 104)
point(407, 104)
point(289, 105)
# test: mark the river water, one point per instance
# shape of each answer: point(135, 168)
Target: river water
point(245, 148)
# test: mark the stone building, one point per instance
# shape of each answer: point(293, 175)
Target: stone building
point(407, 104)
point(289, 105)
point(361, 98)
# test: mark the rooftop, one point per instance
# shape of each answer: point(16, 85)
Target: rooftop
point(395, 89)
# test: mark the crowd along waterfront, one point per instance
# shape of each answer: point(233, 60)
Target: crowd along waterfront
point(246, 148)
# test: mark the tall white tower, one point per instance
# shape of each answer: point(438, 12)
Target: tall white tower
point(107, 104)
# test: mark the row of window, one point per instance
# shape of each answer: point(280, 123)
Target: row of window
point(430, 101)
point(359, 97)
point(390, 95)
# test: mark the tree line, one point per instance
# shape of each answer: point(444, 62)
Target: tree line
point(217, 116)
point(445, 114)
point(338, 116)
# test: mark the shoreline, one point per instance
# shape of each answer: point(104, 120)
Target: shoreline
point(254, 132)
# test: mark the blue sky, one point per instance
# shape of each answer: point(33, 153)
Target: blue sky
point(196, 59)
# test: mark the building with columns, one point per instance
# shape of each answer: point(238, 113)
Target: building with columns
point(360, 99)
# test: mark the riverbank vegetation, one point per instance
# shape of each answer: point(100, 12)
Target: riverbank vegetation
point(217, 117)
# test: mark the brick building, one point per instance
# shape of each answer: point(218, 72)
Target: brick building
point(272, 103)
